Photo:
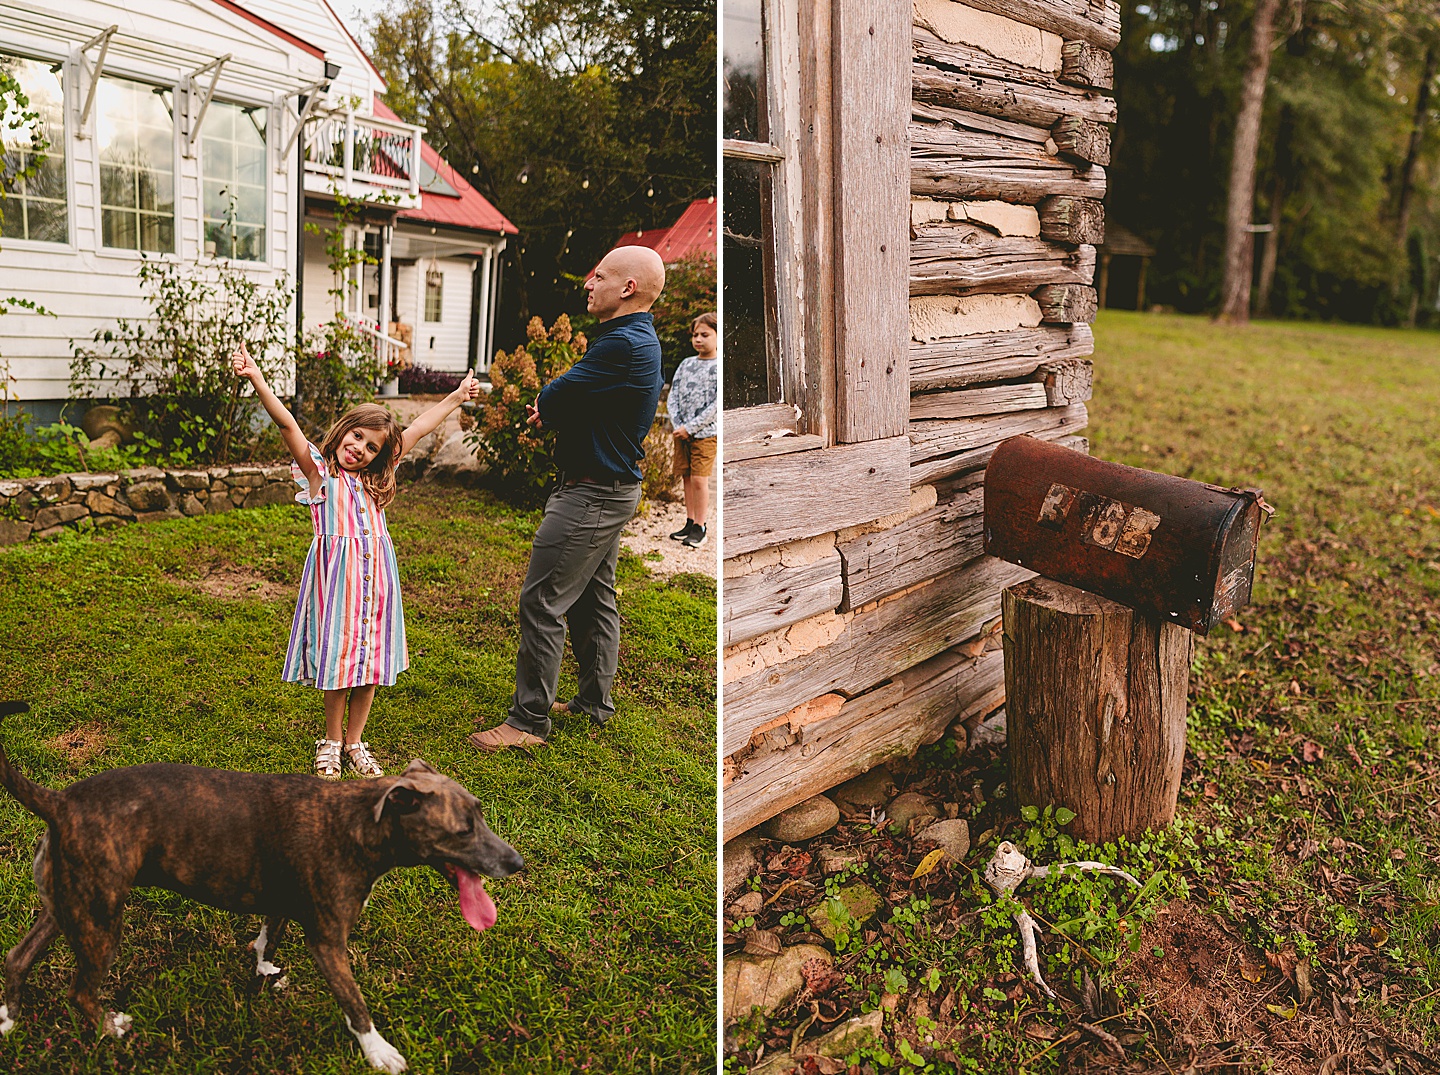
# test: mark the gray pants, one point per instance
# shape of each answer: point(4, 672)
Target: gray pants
point(571, 577)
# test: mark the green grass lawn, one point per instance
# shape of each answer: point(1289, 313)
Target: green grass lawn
point(165, 643)
point(1292, 913)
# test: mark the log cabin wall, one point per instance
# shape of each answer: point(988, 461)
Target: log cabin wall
point(861, 626)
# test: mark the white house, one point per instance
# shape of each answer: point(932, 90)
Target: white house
point(206, 129)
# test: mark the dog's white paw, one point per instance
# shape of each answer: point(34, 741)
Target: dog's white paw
point(116, 1023)
point(6, 1023)
point(263, 966)
point(380, 1053)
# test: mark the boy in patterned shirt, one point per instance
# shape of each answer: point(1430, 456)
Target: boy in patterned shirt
point(694, 398)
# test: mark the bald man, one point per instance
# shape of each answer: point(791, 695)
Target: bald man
point(600, 410)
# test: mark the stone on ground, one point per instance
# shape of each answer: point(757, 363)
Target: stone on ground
point(905, 807)
point(837, 1044)
point(835, 859)
point(748, 904)
point(804, 821)
point(951, 836)
point(857, 902)
point(858, 795)
point(766, 982)
point(741, 861)
point(989, 734)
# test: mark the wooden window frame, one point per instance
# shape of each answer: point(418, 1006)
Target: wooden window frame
point(841, 78)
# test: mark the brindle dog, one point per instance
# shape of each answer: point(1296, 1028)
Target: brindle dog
point(289, 847)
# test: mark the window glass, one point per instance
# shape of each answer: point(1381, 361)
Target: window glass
point(751, 360)
point(744, 72)
point(35, 205)
point(135, 130)
point(434, 293)
point(232, 157)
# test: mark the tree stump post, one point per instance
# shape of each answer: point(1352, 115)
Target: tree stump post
point(1095, 699)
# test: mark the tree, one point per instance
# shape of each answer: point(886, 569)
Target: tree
point(580, 121)
point(1235, 284)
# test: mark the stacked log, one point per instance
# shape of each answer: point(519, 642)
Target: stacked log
point(851, 642)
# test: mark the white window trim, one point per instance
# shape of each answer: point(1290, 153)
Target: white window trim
point(123, 253)
point(69, 246)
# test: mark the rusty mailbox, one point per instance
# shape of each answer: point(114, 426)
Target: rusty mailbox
point(1180, 549)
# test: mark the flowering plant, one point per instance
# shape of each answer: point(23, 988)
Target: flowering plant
point(519, 454)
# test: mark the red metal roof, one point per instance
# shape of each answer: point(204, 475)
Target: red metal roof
point(693, 233)
point(230, 5)
point(467, 208)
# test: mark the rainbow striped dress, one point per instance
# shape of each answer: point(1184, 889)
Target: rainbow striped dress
point(349, 628)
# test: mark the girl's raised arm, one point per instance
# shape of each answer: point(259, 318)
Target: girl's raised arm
point(429, 420)
point(290, 432)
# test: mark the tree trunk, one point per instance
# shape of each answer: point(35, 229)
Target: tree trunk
point(1271, 253)
point(1239, 261)
point(1095, 696)
point(1417, 132)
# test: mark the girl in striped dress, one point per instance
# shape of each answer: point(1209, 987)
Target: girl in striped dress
point(349, 631)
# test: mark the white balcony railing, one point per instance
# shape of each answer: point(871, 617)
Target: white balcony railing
point(358, 152)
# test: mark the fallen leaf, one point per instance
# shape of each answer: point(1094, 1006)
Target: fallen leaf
point(928, 863)
point(1283, 1013)
point(1379, 934)
point(1398, 855)
point(761, 942)
point(1312, 752)
point(1354, 754)
point(1235, 625)
point(1251, 973)
point(1295, 687)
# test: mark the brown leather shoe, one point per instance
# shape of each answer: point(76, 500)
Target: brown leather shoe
point(502, 737)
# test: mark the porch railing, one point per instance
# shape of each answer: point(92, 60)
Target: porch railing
point(363, 150)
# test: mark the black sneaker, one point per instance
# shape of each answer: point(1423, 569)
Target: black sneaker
point(697, 537)
point(685, 531)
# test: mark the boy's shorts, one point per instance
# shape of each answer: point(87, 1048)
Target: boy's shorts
point(695, 458)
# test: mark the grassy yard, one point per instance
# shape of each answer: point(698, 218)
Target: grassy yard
point(165, 642)
point(1291, 921)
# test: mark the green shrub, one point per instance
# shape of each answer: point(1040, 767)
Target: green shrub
point(173, 367)
point(519, 455)
point(60, 448)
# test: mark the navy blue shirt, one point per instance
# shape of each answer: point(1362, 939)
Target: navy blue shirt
point(602, 407)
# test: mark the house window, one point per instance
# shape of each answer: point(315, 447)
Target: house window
point(233, 163)
point(434, 294)
point(135, 130)
point(35, 205)
point(752, 332)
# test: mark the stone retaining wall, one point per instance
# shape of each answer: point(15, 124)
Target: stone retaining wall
point(44, 507)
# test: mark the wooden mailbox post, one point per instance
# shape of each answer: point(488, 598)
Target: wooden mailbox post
point(1097, 650)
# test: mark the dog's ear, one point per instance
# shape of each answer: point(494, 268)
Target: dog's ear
point(404, 797)
point(419, 766)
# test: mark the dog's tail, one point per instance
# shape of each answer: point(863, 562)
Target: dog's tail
point(38, 800)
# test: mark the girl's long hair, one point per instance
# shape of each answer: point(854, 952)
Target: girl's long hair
point(379, 477)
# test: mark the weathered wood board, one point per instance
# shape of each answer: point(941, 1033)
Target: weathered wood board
point(994, 356)
point(943, 452)
point(1094, 21)
point(949, 162)
point(960, 76)
point(799, 495)
point(946, 537)
point(873, 645)
point(960, 258)
point(871, 43)
point(779, 595)
point(892, 721)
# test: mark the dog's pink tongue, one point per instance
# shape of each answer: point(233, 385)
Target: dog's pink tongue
point(475, 903)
